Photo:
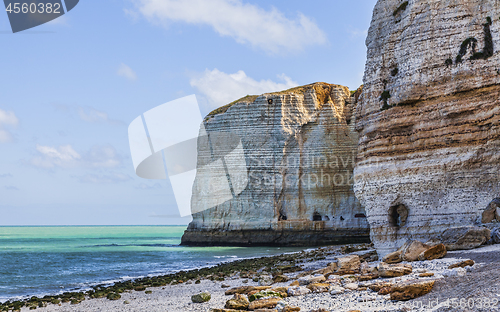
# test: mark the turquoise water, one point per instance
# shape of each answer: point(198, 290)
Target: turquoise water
point(50, 260)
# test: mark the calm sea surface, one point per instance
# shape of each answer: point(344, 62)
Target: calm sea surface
point(50, 260)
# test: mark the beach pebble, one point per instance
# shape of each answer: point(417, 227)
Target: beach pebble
point(336, 290)
point(309, 279)
point(456, 272)
point(351, 286)
point(265, 280)
point(298, 291)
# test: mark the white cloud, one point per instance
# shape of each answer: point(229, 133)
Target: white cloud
point(66, 157)
point(220, 88)
point(92, 115)
point(101, 157)
point(127, 72)
point(270, 31)
point(63, 156)
point(105, 178)
point(7, 119)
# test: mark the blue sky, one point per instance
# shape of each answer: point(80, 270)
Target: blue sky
point(71, 87)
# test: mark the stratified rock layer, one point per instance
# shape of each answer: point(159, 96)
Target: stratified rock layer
point(300, 150)
point(428, 156)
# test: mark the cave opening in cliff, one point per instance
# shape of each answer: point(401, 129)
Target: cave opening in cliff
point(317, 217)
point(398, 215)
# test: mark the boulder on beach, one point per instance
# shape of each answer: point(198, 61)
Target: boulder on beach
point(462, 264)
point(463, 238)
point(201, 297)
point(411, 289)
point(264, 303)
point(238, 302)
point(435, 252)
point(349, 263)
point(393, 270)
point(309, 279)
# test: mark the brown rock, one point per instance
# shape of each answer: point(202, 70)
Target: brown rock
point(291, 309)
point(463, 238)
point(341, 272)
point(378, 286)
point(223, 310)
point(324, 271)
point(429, 274)
point(393, 270)
point(367, 277)
point(384, 291)
point(282, 289)
point(462, 264)
point(434, 252)
point(281, 279)
point(295, 283)
point(411, 289)
point(491, 212)
point(264, 303)
point(349, 263)
point(413, 250)
point(393, 257)
point(334, 266)
point(319, 287)
point(238, 302)
point(245, 289)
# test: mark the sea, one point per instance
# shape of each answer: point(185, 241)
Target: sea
point(48, 260)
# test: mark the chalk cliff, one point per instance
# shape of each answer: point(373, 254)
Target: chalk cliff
point(429, 121)
point(299, 148)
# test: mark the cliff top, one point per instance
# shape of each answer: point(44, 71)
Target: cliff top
point(322, 90)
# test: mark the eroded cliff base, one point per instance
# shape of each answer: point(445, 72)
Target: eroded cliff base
point(288, 238)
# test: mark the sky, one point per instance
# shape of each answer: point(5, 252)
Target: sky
point(71, 87)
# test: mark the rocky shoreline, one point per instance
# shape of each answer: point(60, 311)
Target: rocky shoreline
point(337, 278)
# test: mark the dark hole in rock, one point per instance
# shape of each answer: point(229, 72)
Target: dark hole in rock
point(270, 101)
point(317, 217)
point(326, 218)
point(398, 214)
point(360, 215)
point(492, 212)
point(341, 218)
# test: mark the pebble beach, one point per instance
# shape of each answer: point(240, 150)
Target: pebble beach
point(355, 295)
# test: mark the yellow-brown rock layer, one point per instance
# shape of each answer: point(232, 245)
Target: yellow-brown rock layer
point(429, 118)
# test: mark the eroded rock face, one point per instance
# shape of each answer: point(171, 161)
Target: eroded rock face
point(429, 121)
point(300, 147)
